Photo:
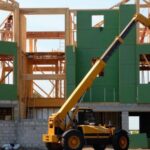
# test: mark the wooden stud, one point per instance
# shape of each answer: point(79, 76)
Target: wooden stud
point(16, 24)
point(31, 49)
point(22, 33)
point(45, 102)
point(46, 35)
point(6, 6)
point(44, 76)
point(44, 11)
point(67, 27)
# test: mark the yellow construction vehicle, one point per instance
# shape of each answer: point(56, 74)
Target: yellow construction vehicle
point(64, 130)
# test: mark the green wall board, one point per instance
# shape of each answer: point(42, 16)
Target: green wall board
point(138, 141)
point(127, 58)
point(148, 142)
point(70, 69)
point(127, 75)
point(87, 15)
point(120, 82)
point(126, 14)
point(91, 43)
point(143, 95)
point(128, 94)
point(95, 39)
point(9, 92)
point(89, 37)
point(127, 54)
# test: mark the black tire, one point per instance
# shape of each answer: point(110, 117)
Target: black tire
point(98, 147)
point(54, 146)
point(121, 140)
point(72, 140)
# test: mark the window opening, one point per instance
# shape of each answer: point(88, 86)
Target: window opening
point(98, 21)
point(6, 69)
point(6, 26)
point(101, 74)
point(144, 69)
point(134, 124)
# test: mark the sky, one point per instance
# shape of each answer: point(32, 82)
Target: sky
point(73, 4)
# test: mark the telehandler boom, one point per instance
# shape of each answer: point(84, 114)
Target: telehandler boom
point(64, 131)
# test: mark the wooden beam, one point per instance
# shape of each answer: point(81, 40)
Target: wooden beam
point(43, 62)
point(45, 102)
point(46, 35)
point(31, 45)
point(8, 69)
point(40, 11)
point(67, 27)
point(22, 67)
point(44, 77)
point(144, 68)
point(22, 33)
point(12, 1)
point(2, 79)
point(50, 68)
point(16, 25)
point(6, 6)
point(45, 58)
point(38, 55)
point(144, 5)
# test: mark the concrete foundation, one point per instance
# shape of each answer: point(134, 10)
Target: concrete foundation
point(28, 133)
point(125, 120)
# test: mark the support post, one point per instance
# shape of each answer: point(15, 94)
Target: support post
point(125, 120)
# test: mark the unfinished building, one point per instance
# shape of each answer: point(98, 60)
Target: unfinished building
point(34, 83)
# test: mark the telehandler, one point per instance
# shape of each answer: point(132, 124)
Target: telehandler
point(64, 130)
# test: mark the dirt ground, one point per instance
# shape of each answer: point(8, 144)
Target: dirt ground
point(113, 149)
point(89, 148)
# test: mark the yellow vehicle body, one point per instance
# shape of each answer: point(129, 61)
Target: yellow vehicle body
point(69, 135)
point(96, 131)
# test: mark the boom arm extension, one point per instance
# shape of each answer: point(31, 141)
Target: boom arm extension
point(96, 69)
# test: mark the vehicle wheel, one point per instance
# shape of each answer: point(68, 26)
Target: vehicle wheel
point(72, 140)
point(121, 140)
point(53, 146)
point(99, 147)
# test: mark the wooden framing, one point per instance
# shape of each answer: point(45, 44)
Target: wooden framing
point(43, 11)
point(67, 27)
point(142, 32)
point(7, 6)
point(22, 63)
point(45, 103)
point(37, 58)
point(46, 35)
point(16, 24)
point(44, 77)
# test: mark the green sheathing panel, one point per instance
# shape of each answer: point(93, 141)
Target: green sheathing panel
point(9, 92)
point(138, 141)
point(127, 58)
point(143, 95)
point(148, 142)
point(120, 82)
point(70, 69)
point(92, 42)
